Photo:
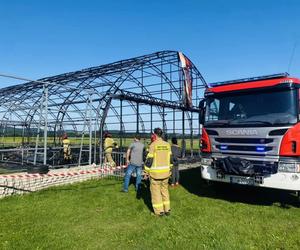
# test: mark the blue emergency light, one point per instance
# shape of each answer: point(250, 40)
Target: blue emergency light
point(260, 149)
point(223, 147)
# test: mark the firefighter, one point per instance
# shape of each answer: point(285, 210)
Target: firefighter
point(109, 145)
point(66, 149)
point(158, 165)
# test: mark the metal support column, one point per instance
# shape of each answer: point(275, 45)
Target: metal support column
point(199, 134)
point(14, 133)
point(164, 120)
point(38, 134)
point(102, 124)
point(137, 117)
point(151, 119)
point(174, 124)
point(101, 143)
point(22, 145)
point(191, 135)
point(121, 123)
point(183, 145)
point(54, 136)
point(95, 141)
point(161, 80)
point(87, 123)
point(90, 129)
point(45, 124)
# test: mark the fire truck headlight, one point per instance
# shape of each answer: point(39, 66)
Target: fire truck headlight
point(289, 167)
point(206, 161)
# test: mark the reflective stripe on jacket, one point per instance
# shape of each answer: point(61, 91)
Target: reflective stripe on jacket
point(160, 151)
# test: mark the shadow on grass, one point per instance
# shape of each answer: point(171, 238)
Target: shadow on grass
point(145, 194)
point(91, 184)
point(191, 180)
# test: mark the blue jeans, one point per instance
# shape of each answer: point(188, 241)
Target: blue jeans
point(130, 169)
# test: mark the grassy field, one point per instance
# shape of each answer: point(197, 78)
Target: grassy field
point(96, 215)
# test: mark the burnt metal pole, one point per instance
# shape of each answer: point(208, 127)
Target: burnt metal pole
point(151, 119)
point(191, 134)
point(14, 133)
point(164, 121)
point(95, 141)
point(174, 118)
point(137, 117)
point(45, 123)
point(121, 123)
point(90, 129)
point(183, 135)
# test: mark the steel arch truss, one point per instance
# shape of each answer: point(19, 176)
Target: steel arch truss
point(128, 96)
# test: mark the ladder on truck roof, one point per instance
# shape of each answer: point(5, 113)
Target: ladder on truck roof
point(250, 79)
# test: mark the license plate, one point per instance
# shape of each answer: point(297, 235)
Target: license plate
point(242, 180)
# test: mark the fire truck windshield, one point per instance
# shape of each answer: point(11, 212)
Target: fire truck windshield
point(255, 109)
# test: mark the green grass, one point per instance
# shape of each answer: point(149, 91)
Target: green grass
point(95, 215)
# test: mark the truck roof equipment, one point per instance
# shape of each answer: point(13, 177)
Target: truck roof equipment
point(250, 79)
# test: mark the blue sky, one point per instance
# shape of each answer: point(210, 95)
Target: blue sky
point(225, 39)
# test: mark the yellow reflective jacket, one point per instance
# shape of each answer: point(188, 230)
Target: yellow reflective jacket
point(160, 155)
point(109, 144)
point(66, 146)
point(66, 141)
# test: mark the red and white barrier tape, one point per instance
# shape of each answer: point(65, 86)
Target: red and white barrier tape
point(81, 172)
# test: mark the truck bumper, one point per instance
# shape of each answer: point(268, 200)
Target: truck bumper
point(285, 181)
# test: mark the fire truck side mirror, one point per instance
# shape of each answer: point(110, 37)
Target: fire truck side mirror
point(201, 111)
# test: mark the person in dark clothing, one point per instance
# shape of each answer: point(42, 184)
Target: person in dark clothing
point(176, 153)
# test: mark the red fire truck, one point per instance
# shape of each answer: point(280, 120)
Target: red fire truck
point(251, 132)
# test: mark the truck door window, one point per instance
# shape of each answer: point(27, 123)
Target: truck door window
point(213, 110)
